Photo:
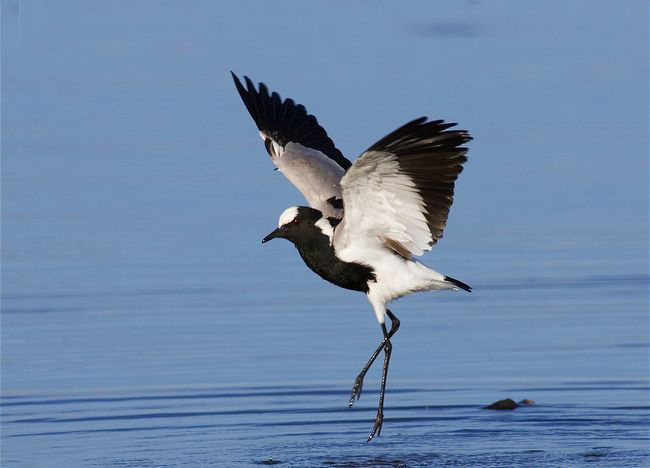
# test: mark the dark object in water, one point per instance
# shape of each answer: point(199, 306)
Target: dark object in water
point(270, 461)
point(509, 404)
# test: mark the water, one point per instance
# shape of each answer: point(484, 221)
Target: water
point(201, 382)
point(143, 324)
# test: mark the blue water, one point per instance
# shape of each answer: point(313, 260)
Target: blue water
point(144, 325)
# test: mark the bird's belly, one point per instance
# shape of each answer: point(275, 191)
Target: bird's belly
point(396, 276)
point(347, 275)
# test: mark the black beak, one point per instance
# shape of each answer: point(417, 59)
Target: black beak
point(272, 235)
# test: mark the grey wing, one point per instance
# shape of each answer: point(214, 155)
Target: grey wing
point(398, 193)
point(298, 146)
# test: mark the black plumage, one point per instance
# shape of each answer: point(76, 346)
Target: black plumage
point(459, 283)
point(285, 121)
point(318, 254)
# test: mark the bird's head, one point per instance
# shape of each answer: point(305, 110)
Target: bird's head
point(295, 222)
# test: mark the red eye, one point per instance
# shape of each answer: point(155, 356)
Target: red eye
point(295, 221)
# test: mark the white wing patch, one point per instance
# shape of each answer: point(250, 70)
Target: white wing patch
point(310, 171)
point(382, 203)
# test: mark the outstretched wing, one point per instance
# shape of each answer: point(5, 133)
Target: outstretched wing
point(298, 145)
point(398, 193)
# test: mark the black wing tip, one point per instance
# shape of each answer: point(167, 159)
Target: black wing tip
point(238, 83)
point(286, 121)
point(419, 121)
point(442, 127)
point(458, 283)
point(249, 89)
point(420, 132)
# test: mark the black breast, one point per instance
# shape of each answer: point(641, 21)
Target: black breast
point(318, 254)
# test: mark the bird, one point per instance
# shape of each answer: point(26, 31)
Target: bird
point(368, 220)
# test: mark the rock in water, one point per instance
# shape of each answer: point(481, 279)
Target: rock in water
point(507, 404)
point(526, 402)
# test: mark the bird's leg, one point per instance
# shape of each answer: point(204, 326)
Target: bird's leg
point(358, 382)
point(379, 419)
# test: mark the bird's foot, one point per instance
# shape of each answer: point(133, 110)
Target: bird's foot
point(379, 420)
point(356, 389)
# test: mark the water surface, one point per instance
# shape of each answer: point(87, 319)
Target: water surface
point(143, 324)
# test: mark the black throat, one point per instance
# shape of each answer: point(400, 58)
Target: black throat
point(315, 249)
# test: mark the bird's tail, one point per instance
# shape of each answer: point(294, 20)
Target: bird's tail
point(458, 284)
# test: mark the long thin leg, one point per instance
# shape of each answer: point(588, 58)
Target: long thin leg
point(358, 382)
point(379, 419)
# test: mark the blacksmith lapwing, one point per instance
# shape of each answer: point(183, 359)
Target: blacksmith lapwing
point(366, 220)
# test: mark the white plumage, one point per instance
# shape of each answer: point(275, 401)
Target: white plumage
point(381, 202)
point(314, 174)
